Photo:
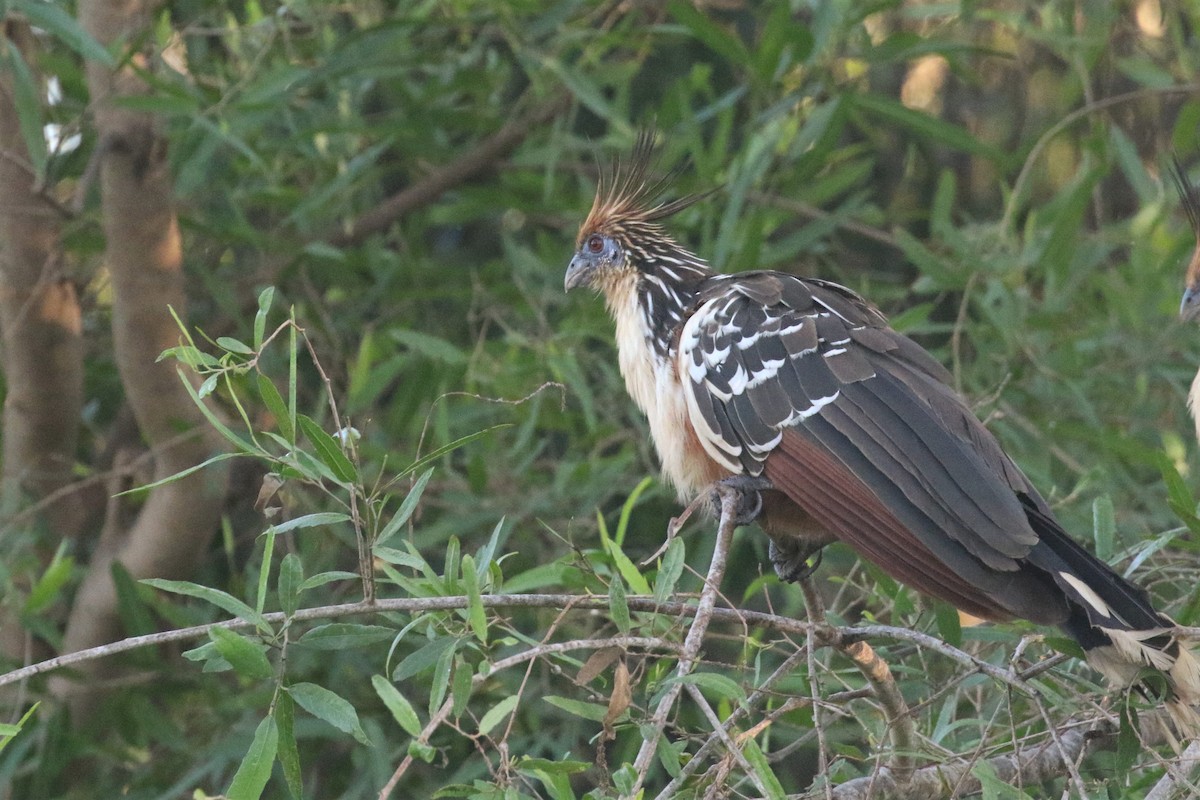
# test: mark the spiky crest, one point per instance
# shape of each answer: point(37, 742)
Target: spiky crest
point(626, 194)
point(1187, 194)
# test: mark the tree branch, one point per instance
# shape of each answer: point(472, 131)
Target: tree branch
point(428, 189)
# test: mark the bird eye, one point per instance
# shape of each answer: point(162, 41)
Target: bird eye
point(595, 244)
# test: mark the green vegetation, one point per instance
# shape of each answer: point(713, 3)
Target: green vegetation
point(377, 203)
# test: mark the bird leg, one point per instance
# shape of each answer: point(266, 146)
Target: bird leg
point(790, 557)
point(749, 498)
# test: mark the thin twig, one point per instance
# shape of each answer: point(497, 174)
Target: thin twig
point(695, 637)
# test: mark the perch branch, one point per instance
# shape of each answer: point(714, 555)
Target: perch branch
point(695, 635)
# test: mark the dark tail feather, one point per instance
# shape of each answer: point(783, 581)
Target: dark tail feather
point(1115, 623)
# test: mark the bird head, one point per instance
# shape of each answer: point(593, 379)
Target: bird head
point(624, 221)
point(1189, 306)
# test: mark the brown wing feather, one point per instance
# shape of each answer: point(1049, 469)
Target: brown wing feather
point(818, 482)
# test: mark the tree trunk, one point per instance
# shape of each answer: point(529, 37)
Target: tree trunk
point(144, 258)
point(43, 350)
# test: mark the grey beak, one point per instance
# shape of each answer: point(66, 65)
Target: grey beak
point(579, 273)
point(1189, 306)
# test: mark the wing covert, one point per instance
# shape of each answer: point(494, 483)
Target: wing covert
point(766, 354)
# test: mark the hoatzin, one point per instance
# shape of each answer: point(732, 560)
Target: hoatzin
point(833, 426)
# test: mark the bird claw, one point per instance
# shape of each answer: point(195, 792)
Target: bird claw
point(790, 559)
point(748, 489)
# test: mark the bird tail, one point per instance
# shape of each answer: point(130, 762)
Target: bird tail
point(1121, 633)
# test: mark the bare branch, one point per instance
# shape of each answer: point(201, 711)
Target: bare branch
point(695, 636)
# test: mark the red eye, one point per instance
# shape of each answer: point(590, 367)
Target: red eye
point(595, 244)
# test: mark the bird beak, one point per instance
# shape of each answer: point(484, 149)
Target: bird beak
point(579, 273)
point(1189, 306)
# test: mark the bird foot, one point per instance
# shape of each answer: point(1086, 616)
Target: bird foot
point(790, 558)
point(748, 489)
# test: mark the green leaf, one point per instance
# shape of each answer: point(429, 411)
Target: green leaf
point(291, 578)
point(345, 636)
point(460, 686)
point(627, 509)
point(423, 658)
point(552, 767)
point(234, 346)
point(328, 450)
point(406, 508)
point(424, 461)
point(251, 777)
point(51, 582)
point(762, 768)
point(670, 570)
point(1104, 526)
point(216, 422)
point(178, 475)
point(475, 612)
point(618, 606)
point(592, 711)
point(496, 713)
point(441, 680)
point(28, 104)
point(246, 657)
point(289, 754)
point(51, 18)
point(396, 703)
point(326, 705)
point(7, 732)
point(625, 566)
point(260, 318)
point(274, 403)
point(264, 571)
point(312, 521)
point(322, 578)
point(217, 597)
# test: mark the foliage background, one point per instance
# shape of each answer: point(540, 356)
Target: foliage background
point(992, 175)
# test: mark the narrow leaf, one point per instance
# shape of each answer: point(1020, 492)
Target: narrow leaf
point(401, 709)
point(406, 508)
point(274, 403)
point(246, 657)
point(289, 754)
point(670, 570)
point(618, 606)
point(496, 713)
point(345, 636)
point(475, 612)
point(312, 521)
point(217, 597)
point(326, 705)
point(51, 18)
point(328, 450)
point(291, 578)
point(255, 770)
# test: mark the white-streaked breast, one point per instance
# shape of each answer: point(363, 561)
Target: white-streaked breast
point(654, 385)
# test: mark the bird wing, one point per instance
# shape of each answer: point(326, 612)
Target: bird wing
point(802, 380)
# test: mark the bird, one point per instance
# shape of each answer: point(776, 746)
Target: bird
point(830, 426)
